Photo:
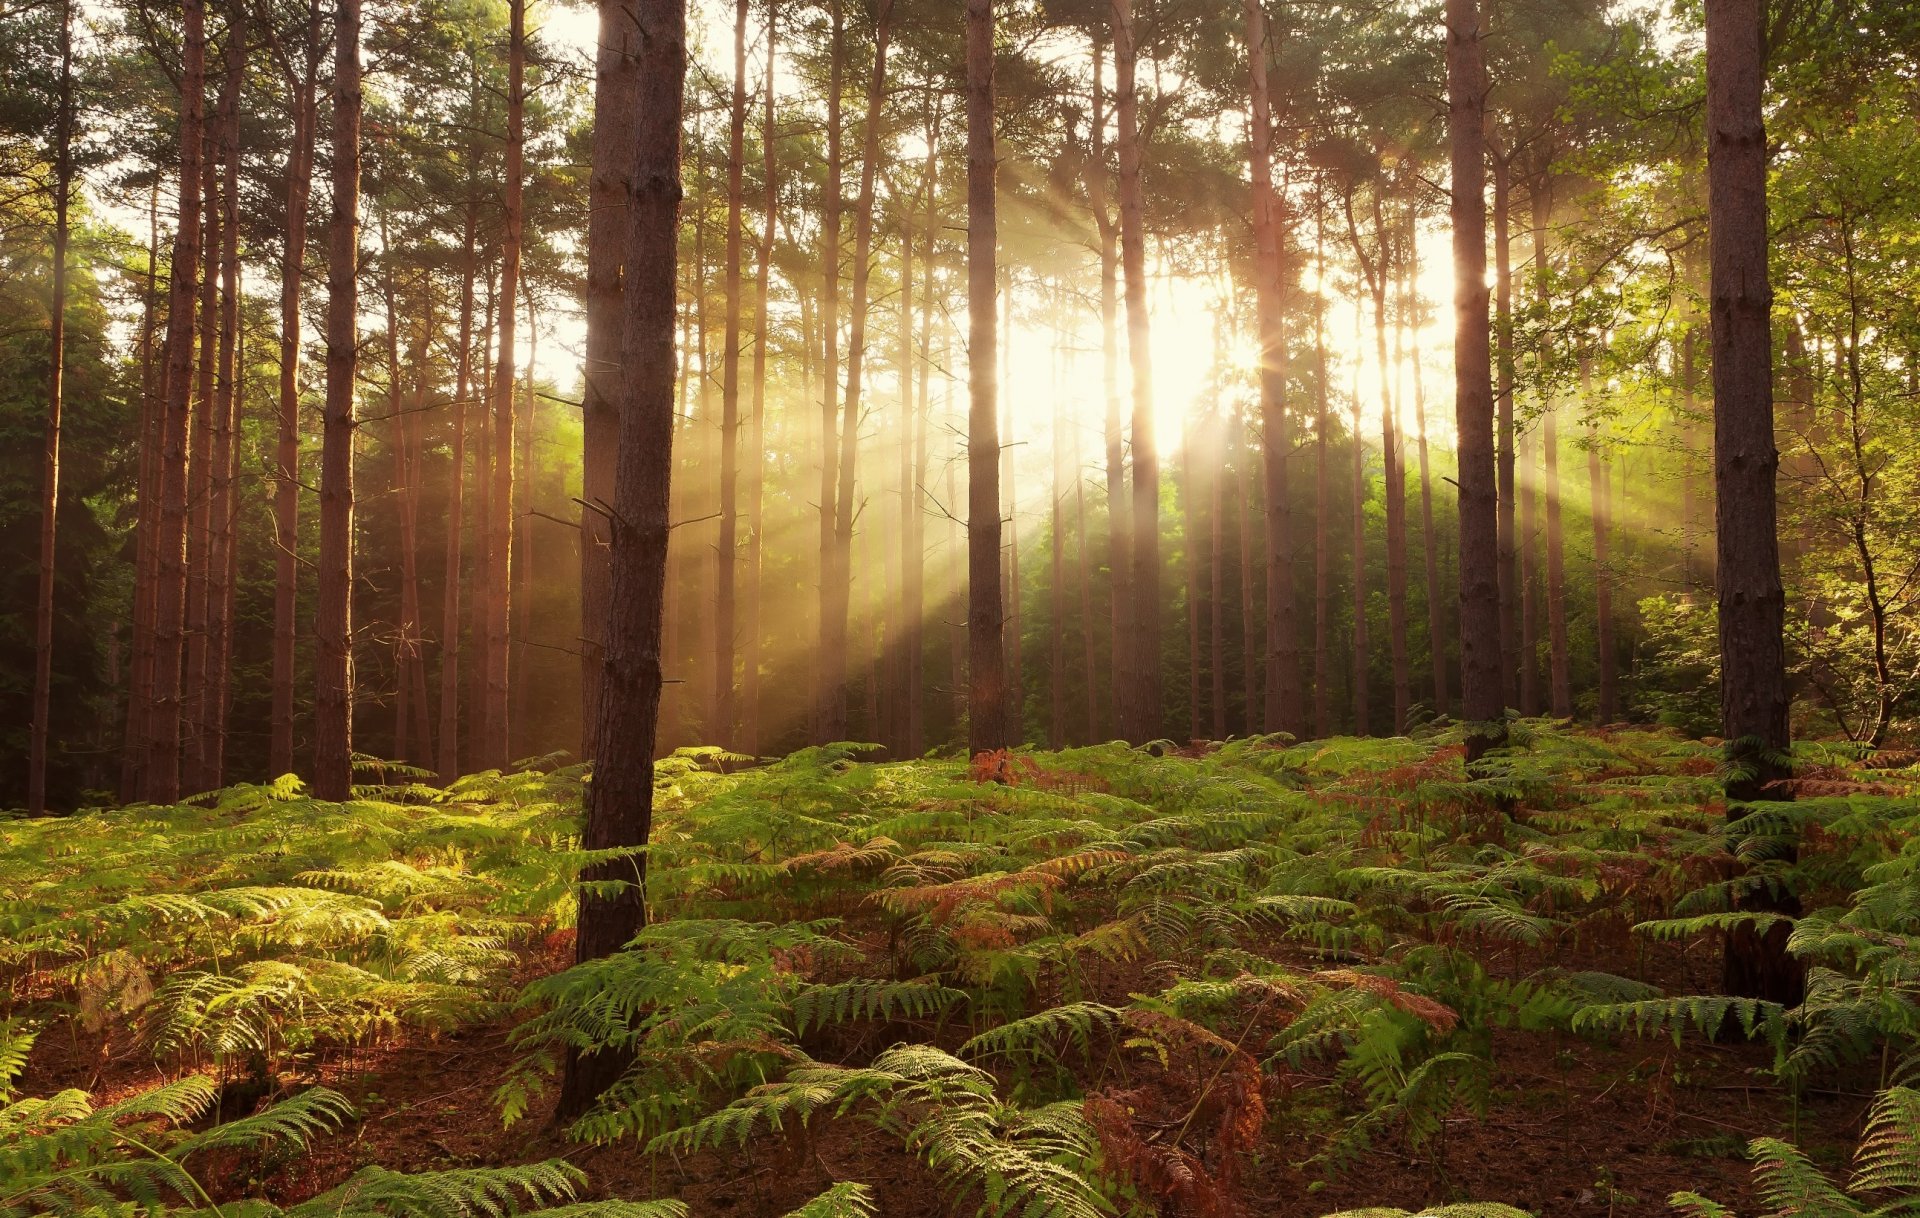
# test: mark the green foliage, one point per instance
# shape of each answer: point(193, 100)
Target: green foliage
point(1885, 1180)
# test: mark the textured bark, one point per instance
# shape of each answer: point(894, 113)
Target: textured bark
point(146, 522)
point(160, 781)
point(448, 764)
point(904, 636)
point(986, 659)
point(193, 681)
point(620, 798)
point(1322, 511)
point(222, 553)
point(830, 692)
point(1560, 665)
point(497, 589)
point(1119, 526)
point(1527, 536)
point(1429, 547)
point(286, 491)
point(1283, 709)
point(757, 424)
point(1144, 583)
point(1357, 581)
point(1480, 666)
point(724, 727)
point(1753, 684)
point(1599, 489)
point(50, 464)
point(1191, 524)
point(1512, 588)
point(1252, 634)
point(333, 611)
point(1689, 446)
point(610, 151)
point(1057, 556)
point(1010, 577)
point(1217, 573)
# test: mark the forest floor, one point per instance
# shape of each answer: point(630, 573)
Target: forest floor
point(1391, 916)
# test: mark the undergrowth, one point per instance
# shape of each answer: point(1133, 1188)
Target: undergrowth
point(1086, 982)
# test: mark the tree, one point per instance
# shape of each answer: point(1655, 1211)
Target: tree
point(1142, 714)
point(333, 612)
point(1753, 681)
point(726, 714)
point(620, 798)
point(50, 476)
point(986, 659)
point(1480, 658)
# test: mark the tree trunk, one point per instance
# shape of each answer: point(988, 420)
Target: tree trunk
point(1599, 488)
point(1753, 684)
point(224, 508)
point(1057, 589)
point(830, 692)
point(1144, 583)
point(1217, 571)
point(448, 764)
point(50, 469)
point(1429, 546)
point(1527, 535)
point(1283, 711)
point(725, 726)
point(1512, 586)
point(1322, 511)
point(1252, 637)
point(140, 668)
point(498, 589)
point(1362, 706)
point(1119, 529)
point(161, 772)
point(1190, 526)
point(286, 491)
point(757, 431)
point(1559, 662)
point(614, 97)
point(620, 798)
point(194, 684)
point(333, 613)
point(1480, 617)
point(986, 659)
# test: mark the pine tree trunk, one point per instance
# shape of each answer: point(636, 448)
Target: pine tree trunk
point(333, 613)
point(614, 93)
point(1480, 619)
point(160, 781)
point(286, 491)
point(1190, 527)
point(1559, 663)
point(1083, 555)
point(1528, 536)
point(904, 634)
point(1016, 725)
point(757, 428)
point(620, 798)
point(448, 763)
point(1057, 589)
point(1119, 528)
point(1512, 584)
point(830, 692)
point(725, 726)
point(139, 712)
point(1753, 686)
point(1322, 513)
point(1362, 704)
point(1252, 638)
point(1599, 489)
point(50, 467)
point(1144, 581)
point(193, 695)
point(986, 660)
point(1689, 446)
point(497, 591)
point(1217, 569)
point(1283, 711)
point(1429, 546)
point(223, 507)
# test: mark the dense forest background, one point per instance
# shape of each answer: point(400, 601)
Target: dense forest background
point(823, 228)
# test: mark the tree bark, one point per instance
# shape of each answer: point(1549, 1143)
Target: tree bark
point(620, 798)
point(1283, 710)
point(448, 764)
point(50, 467)
point(286, 491)
point(986, 658)
point(1144, 582)
point(1119, 528)
point(1600, 490)
point(333, 612)
point(757, 431)
point(1512, 588)
point(725, 725)
point(614, 97)
point(498, 588)
point(161, 771)
point(1559, 662)
point(1436, 629)
point(1480, 618)
point(1753, 684)
point(830, 681)
point(222, 555)
point(1322, 508)
point(194, 683)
